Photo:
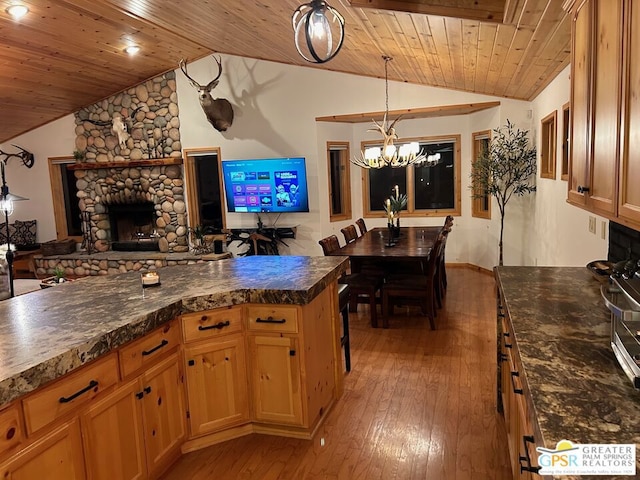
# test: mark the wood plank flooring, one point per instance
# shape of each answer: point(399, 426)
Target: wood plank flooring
point(418, 404)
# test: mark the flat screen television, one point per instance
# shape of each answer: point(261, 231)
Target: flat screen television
point(266, 185)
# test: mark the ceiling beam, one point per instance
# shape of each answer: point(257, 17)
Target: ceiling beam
point(480, 10)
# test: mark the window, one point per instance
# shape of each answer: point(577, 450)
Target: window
point(431, 190)
point(548, 146)
point(339, 181)
point(66, 208)
point(204, 188)
point(564, 175)
point(480, 201)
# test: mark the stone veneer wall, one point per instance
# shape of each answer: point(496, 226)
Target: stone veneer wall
point(154, 130)
point(162, 185)
point(150, 111)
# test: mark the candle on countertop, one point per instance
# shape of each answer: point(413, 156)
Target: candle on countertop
point(150, 278)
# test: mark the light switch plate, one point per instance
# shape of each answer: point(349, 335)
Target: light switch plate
point(592, 225)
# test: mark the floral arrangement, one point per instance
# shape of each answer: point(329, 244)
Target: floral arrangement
point(394, 204)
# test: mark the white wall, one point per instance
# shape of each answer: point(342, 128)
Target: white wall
point(561, 231)
point(275, 109)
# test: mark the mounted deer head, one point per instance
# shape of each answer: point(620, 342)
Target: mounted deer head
point(219, 111)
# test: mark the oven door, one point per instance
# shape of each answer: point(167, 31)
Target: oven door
point(625, 332)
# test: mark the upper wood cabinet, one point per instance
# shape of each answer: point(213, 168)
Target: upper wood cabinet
point(629, 195)
point(596, 95)
point(605, 109)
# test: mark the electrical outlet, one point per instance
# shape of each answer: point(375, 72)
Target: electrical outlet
point(603, 232)
point(592, 225)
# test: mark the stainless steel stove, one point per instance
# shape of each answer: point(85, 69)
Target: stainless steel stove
point(622, 298)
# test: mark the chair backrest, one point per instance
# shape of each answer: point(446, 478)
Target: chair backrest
point(329, 244)
point(448, 222)
point(361, 226)
point(435, 255)
point(349, 233)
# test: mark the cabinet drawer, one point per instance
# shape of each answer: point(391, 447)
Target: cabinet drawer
point(147, 349)
point(11, 432)
point(211, 323)
point(273, 318)
point(69, 393)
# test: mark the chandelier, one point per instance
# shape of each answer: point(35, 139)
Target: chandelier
point(390, 155)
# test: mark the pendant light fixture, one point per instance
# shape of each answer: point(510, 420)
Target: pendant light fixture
point(390, 155)
point(319, 31)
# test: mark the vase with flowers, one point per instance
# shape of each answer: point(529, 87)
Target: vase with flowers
point(393, 206)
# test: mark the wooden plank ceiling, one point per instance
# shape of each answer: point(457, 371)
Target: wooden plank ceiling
point(66, 54)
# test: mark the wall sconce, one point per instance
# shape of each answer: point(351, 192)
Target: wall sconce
point(319, 31)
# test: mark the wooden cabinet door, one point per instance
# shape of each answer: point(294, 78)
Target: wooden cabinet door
point(217, 388)
point(275, 379)
point(57, 455)
point(163, 413)
point(606, 106)
point(629, 195)
point(112, 433)
point(580, 150)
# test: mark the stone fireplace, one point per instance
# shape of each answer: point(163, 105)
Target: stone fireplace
point(140, 205)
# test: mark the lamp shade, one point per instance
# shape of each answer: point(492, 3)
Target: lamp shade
point(318, 30)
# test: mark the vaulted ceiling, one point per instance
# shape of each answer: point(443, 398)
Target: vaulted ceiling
point(66, 54)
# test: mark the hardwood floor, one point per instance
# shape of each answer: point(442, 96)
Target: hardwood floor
point(418, 404)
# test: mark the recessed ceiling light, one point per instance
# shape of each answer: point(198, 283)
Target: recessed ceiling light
point(17, 11)
point(132, 49)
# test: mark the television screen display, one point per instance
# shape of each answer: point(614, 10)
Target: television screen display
point(266, 185)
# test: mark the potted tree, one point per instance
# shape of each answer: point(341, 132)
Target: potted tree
point(504, 169)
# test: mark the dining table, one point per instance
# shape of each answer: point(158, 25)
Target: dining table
point(410, 245)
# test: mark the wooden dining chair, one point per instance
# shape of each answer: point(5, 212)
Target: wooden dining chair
point(413, 288)
point(350, 234)
point(363, 287)
point(440, 281)
point(361, 226)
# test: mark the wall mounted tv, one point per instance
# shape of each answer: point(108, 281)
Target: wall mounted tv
point(266, 185)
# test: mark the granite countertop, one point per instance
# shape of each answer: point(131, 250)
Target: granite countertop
point(48, 333)
point(562, 331)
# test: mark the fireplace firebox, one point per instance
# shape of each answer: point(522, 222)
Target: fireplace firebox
point(132, 227)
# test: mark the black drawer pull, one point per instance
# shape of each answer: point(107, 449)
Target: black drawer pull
point(527, 467)
point(92, 384)
point(513, 383)
point(147, 390)
point(270, 320)
point(582, 189)
point(218, 326)
point(163, 343)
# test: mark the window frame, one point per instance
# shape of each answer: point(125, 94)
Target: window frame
point(566, 132)
point(548, 144)
point(410, 176)
point(190, 180)
point(477, 209)
point(57, 195)
point(345, 181)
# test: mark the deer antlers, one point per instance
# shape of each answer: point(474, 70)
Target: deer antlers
point(25, 156)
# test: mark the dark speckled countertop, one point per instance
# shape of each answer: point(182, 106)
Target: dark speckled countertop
point(562, 331)
point(48, 333)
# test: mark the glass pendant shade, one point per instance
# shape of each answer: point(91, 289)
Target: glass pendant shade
point(319, 31)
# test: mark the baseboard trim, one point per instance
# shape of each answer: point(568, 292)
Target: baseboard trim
point(471, 266)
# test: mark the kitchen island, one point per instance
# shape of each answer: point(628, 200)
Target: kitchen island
point(101, 362)
point(558, 359)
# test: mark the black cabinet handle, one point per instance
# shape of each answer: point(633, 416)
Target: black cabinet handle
point(507, 345)
point(147, 390)
point(526, 458)
point(582, 189)
point(218, 326)
point(270, 320)
point(513, 383)
point(92, 384)
point(139, 395)
point(163, 343)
